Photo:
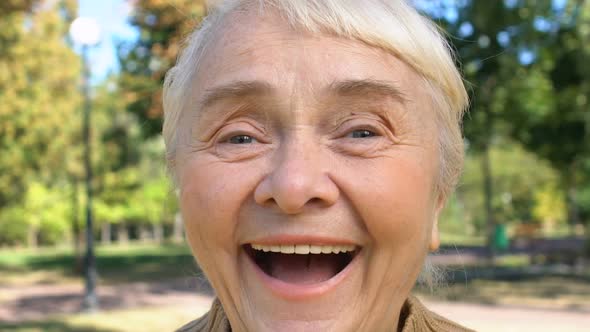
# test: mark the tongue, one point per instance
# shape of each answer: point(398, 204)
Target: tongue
point(303, 269)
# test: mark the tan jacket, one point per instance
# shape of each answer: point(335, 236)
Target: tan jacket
point(415, 318)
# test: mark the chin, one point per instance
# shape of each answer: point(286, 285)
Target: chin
point(300, 287)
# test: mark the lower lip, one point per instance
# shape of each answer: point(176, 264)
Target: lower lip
point(295, 292)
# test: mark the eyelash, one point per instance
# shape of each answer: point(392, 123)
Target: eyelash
point(239, 144)
point(366, 131)
point(240, 130)
point(229, 140)
point(369, 132)
point(374, 131)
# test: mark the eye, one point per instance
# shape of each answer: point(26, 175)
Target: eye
point(362, 133)
point(241, 139)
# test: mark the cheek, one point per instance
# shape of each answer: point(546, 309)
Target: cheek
point(210, 198)
point(396, 199)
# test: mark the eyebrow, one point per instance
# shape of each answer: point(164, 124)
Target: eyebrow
point(365, 87)
point(234, 90)
point(256, 88)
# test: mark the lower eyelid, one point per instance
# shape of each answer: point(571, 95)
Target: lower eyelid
point(239, 152)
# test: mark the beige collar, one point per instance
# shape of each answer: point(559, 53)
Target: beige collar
point(415, 317)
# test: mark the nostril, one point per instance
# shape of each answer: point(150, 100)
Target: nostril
point(270, 202)
point(292, 193)
point(295, 207)
point(290, 208)
point(315, 201)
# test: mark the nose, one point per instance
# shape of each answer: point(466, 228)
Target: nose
point(299, 179)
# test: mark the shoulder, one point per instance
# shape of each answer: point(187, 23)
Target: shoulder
point(213, 321)
point(194, 326)
point(419, 319)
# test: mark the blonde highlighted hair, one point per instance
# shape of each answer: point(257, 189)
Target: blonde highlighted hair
point(391, 25)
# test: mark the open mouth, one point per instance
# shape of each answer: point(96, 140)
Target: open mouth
point(301, 264)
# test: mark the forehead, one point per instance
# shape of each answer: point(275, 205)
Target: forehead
point(251, 46)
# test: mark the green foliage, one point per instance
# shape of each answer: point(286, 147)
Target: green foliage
point(135, 199)
point(540, 104)
point(46, 210)
point(36, 92)
point(131, 183)
point(516, 185)
point(10, 6)
point(41, 153)
point(44, 216)
point(560, 134)
point(550, 205)
point(156, 197)
point(163, 25)
point(13, 226)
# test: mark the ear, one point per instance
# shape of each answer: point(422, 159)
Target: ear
point(434, 234)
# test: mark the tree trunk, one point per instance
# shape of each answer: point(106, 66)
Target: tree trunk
point(105, 233)
point(33, 236)
point(122, 233)
point(158, 230)
point(486, 164)
point(486, 169)
point(573, 212)
point(144, 234)
point(178, 229)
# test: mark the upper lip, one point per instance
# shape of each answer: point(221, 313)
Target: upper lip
point(301, 239)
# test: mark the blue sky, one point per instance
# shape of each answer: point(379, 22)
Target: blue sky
point(112, 16)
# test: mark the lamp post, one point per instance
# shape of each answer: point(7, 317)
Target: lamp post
point(86, 33)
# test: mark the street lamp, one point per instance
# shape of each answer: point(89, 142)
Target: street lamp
point(86, 32)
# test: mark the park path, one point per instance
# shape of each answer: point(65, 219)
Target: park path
point(487, 318)
point(34, 302)
point(42, 301)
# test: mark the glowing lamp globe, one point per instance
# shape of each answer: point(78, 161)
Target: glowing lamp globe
point(85, 31)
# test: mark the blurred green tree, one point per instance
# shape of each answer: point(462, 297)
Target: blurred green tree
point(521, 194)
point(37, 92)
point(131, 182)
point(163, 26)
point(558, 128)
point(490, 51)
point(550, 206)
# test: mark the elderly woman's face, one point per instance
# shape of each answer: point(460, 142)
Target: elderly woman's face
point(311, 144)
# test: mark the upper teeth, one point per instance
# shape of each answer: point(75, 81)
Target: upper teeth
point(303, 249)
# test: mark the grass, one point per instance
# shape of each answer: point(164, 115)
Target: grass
point(138, 319)
point(513, 261)
point(453, 239)
point(547, 292)
point(116, 264)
